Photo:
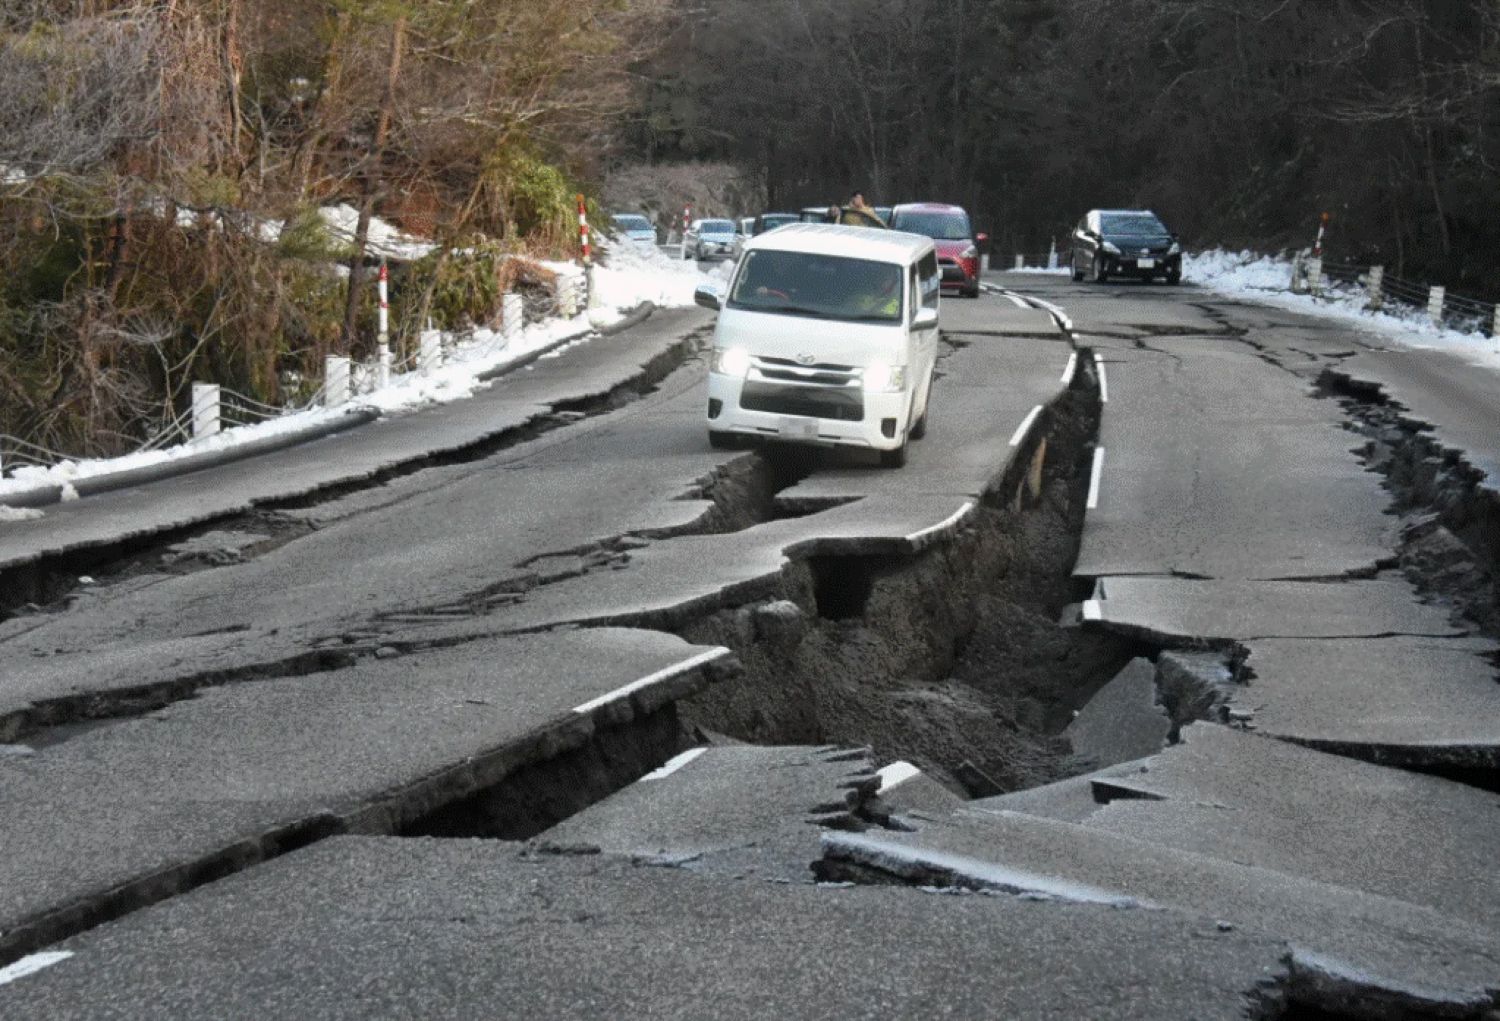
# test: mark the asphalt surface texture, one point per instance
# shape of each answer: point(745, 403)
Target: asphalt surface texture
point(263, 762)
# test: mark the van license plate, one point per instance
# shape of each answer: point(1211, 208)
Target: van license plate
point(798, 428)
point(1146, 263)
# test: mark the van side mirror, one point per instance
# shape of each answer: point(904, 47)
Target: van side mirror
point(708, 297)
point(925, 319)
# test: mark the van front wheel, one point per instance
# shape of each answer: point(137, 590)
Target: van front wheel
point(894, 458)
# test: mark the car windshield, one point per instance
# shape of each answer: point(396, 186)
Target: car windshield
point(716, 227)
point(938, 226)
point(818, 286)
point(1131, 224)
point(627, 222)
point(773, 220)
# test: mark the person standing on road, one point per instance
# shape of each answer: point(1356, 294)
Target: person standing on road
point(859, 213)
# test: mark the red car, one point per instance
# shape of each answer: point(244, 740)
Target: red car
point(953, 234)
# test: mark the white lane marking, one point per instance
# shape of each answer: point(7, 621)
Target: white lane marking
point(1067, 376)
point(1014, 300)
point(1094, 478)
point(950, 520)
point(32, 964)
point(1103, 380)
point(896, 774)
point(672, 765)
point(1057, 313)
point(1092, 610)
point(650, 679)
point(1025, 426)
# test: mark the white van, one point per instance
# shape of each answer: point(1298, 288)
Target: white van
point(827, 335)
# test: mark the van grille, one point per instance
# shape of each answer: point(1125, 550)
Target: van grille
point(844, 405)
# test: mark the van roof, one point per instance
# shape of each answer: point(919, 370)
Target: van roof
point(853, 242)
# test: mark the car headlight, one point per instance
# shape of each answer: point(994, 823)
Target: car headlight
point(882, 377)
point(1176, 249)
point(731, 361)
point(1111, 248)
point(969, 253)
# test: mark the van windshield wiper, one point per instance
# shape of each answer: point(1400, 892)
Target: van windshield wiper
point(796, 310)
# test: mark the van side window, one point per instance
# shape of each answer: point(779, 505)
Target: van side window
point(932, 280)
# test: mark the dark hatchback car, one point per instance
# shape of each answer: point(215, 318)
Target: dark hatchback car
point(1125, 242)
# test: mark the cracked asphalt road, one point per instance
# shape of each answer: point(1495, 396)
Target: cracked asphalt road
point(1244, 875)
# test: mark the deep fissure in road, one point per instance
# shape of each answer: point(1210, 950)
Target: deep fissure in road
point(962, 659)
point(965, 658)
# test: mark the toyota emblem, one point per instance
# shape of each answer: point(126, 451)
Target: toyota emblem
point(806, 359)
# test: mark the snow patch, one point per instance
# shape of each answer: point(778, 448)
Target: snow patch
point(1267, 279)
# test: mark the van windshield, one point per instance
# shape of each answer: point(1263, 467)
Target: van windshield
point(818, 286)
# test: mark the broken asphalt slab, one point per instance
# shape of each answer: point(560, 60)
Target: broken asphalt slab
point(1394, 947)
point(1248, 476)
point(742, 810)
point(512, 403)
point(1357, 667)
point(138, 809)
point(1271, 804)
point(363, 927)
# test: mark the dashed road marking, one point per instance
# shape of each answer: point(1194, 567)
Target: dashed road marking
point(1094, 478)
point(650, 679)
point(1103, 380)
point(32, 964)
point(1067, 376)
point(1014, 300)
point(672, 765)
point(1025, 426)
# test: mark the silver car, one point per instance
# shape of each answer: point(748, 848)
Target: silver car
point(634, 227)
point(709, 239)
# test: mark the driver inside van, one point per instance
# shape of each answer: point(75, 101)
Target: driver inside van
point(877, 292)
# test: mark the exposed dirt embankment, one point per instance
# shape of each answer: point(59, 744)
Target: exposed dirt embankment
point(953, 658)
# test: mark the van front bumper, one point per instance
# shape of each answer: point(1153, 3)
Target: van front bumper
point(827, 416)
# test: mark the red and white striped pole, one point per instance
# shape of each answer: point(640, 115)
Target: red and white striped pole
point(687, 218)
point(1318, 244)
point(383, 370)
point(583, 230)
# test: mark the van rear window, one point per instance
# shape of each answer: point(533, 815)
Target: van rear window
point(818, 286)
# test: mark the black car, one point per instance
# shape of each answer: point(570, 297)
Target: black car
point(1125, 242)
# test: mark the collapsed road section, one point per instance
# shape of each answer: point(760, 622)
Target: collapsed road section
point(1066, 834)
point(432, 719)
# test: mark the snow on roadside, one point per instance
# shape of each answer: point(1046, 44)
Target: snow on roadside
point(634, 274)
point(1267, 279)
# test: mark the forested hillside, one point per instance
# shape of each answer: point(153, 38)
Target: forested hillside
point(1238, 120)
point(162, 162)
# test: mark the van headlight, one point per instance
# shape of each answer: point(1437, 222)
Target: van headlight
point(882, 377)
point(731, 361)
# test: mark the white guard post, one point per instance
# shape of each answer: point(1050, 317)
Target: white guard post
point(383, 368)
point(1020, 262)
point(335, 380)
point(512, 315)
point(1374, 288)
point(1052, 255)
point(430, 353)
point(1315, 275)
point(205, 409)
point(1435, 299)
